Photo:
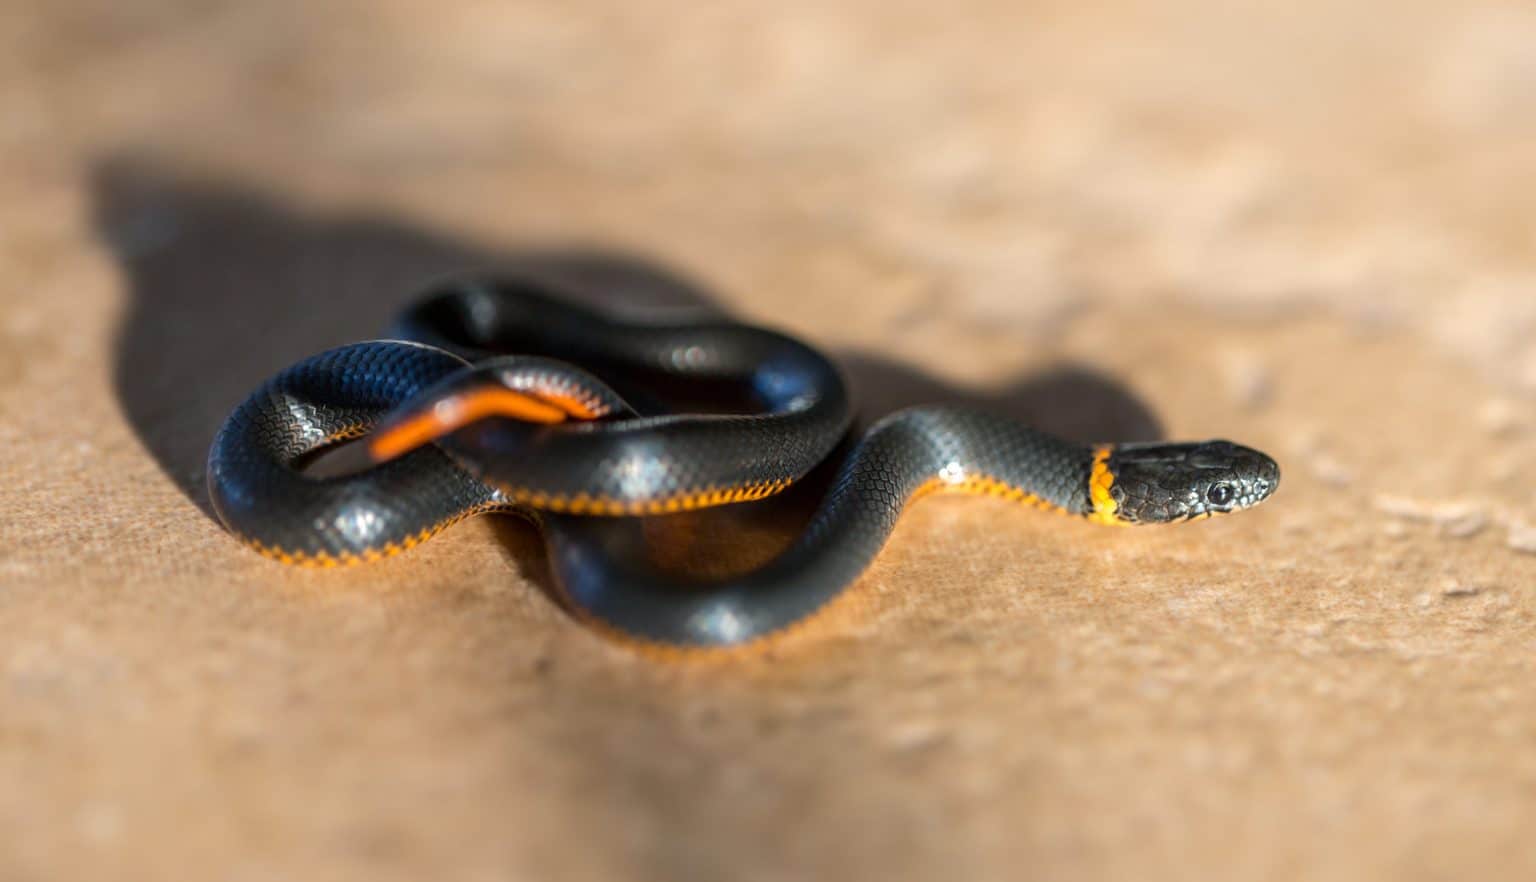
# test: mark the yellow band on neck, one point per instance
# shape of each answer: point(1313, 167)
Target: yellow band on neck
point(1104, 509)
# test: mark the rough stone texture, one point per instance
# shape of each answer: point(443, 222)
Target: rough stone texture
point(1306, 226)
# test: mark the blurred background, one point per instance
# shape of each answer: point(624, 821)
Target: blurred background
point(1304, 225)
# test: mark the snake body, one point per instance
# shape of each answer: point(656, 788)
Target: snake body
point(582, 456)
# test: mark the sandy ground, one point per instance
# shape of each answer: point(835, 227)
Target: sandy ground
point(1305, 227)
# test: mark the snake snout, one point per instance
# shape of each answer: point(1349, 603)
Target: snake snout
point(1258, 473)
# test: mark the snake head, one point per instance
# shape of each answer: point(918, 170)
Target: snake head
point(1165, 483)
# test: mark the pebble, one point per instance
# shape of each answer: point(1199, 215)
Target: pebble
point(1331, 471)
point(1501, 417)
point(1457, 519)
point(1464, 526)
point(1453, 588)
point(916, 735)
point(1521, 536)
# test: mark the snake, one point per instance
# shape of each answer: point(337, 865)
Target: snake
point(498, 394)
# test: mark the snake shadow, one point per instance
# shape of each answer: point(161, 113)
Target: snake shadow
point(226, 285)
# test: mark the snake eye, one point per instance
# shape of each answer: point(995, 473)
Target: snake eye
point(1221, 494)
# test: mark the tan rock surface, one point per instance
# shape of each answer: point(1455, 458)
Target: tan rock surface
point(1306, 226)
